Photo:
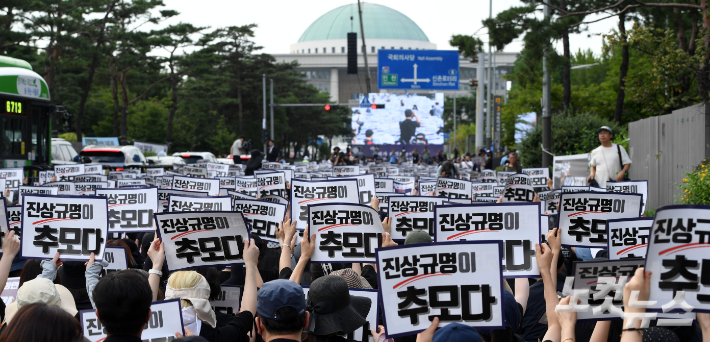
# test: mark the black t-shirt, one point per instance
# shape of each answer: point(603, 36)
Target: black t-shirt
point(237, 329)
point(407, 129)
point(415, 158)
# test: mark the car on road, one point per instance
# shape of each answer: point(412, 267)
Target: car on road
point(165, 161)
point(113, 155)
point(195, 157)
point(63, 152)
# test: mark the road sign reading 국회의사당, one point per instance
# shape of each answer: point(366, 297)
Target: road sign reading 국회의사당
point(418, 69)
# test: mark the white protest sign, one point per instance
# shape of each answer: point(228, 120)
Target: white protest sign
point(460, 200)
point(466, 288)
point(238, 195)
point(346, 171)
point(271, 165)
point(42, 175)
point(274, 199)
point(90, 178)
point(117, 258)
point(518, 189)
point(412, 212)
point(366, 186)
point(67, 172)
point(403, 188)
point(194, 171)
point(628, 238)
point(88, 188)
point(263, 217)
point(9, 293)
point(129, 182)
point(220, 170)
point(498, 191)
point(550, 200)
point(302, 175)
point(305, 193)
point(165, 321)
point(164, 197)
point(246, 185)
point(155, 172)
point(211, 186)
point(14, 220)
point(64, 188)
point(131, 210)
point(199, 203)
point(93, 169)
point(575, 188)
point(538, 176)
point(502, 177)
point(384, 185)
point(453, 188)
point(4, 221)
point(228, 301)
point(344, 232)
point(488, 173)
point(427, 188)
point(583, 215)
point(383, 198)
point(199, 239)
point(37, 190)
point(165, 182)
point(74, 226)
point(485, 199)
point(482, 189)
point(630, 187)
point(516, 224)
point(227, 183)
point(272, 183)
point(13, 178)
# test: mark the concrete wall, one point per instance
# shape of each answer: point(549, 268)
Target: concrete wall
point(663, 148)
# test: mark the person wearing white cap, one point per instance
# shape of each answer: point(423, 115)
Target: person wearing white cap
point(41, 290)
point(609, 162)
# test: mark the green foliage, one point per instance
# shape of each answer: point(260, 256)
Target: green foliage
point(572, 133)
point(695, 190)
point(70, 136)
point(462, 133)
point(324, 151)
point(468, 46)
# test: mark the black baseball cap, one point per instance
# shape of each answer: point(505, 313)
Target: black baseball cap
point(278, 294)
point(605, 128)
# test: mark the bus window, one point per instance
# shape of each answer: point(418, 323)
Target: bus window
point(12, 138)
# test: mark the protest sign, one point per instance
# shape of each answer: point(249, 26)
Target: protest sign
point(198, 239)
point(117, 258)
point(538, 176)
point(344, 232)
point(630, 187)
point(482, 189)
point(219, 170)
point(13, 178)
point(67, 172)
point(583, 215)
point(202, 203)
point(516, 224)
point(502, 177)
point(89, 188)
point(488, 173)
point(14, 220)
point(228, 301)
point(131, 210)
point(155, 172)
point(74, 226)
point(550, 200)
point(90, 178)
point(570, 170)
point(227, 183)
point(459, 282)
point(384, 185)
point(42, 176)
point(371, 318)
point(274, 199)
point(628, 238)
point(346, 171)
point(302, 175)
point(238, 195)
point(485, 199)
point(272, 183)
point(165, 182)
point(165, 321)
point(164, 197)
point(459, 200)
point(194, 171)
point(403, 188)
point(366, 186)
point(575, 188)
point(246, 185)
point(129, 182)
point(454, 188)
point(518, 189)
point(427, 188)
point(383, 198)
point(9, 293)
point(305, 193)
point(412, 212)
point(271, 165)
point(498, 191)
point(196, 184)
point(93, 169)
point(4, 222)
point(595, 189)
point(64, 188)
point(263, 217)
point(37, 190)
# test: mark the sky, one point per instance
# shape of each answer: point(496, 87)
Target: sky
point(281, 22)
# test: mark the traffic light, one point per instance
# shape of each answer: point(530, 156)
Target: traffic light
point(264, 136)
point(378, 106)
point(331, 107)
point(473, 83)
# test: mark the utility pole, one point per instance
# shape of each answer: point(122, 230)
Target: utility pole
point(480, 75)
point(455, 95)
point(489, 117)
point(263, 122)
point(546, 119)
point(272, 108)
point(364, 50)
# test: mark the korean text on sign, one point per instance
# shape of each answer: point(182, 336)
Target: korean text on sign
point(459, 282)
point(630, 187)
point(412, 212)
point(517, 225)
point(164, 197)
point(211, 186)
point(366, 185)
point(74, 226)
point(67, 172)
point(197, 239)
point(131, 210)
point(518, 188)
point(344, 232)
point(628, 238)
point(195, 203)
point(384, 185)
point(583, 216)
point(272, 183)
point(304, 193)
point(454, 188)
point(263, 217)
point(165, 320)
point(246, 185)
point(117, 258)
point(427, 188)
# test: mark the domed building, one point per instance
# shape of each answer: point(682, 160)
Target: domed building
point(321, 51)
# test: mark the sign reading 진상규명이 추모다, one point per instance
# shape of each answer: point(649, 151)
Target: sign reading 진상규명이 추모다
point(182, 202)
point(165, 320)
point(74, 226)
point(211, 186)
point(117, 258)
point(264, 217)
point(365, 184)
point(453, 188)
point(628, 238)
point(412, 212)
point(229, 300)
point(202, 239)
point(518, 189)
point(164, 197)
point(517, 225)
point(304, 193)
point(630, 187)
point(131, 210)
point(384, 185)
point(459, 282)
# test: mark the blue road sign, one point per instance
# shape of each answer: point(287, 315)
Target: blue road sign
point(365, 103)
point(418, 69)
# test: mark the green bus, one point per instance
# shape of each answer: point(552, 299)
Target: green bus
point(25, 112)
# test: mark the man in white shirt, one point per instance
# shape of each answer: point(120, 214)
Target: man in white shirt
point(466, 164)
point(236, 149)
point(605, 162)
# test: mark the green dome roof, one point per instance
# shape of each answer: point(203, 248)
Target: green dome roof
point(380, 22)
